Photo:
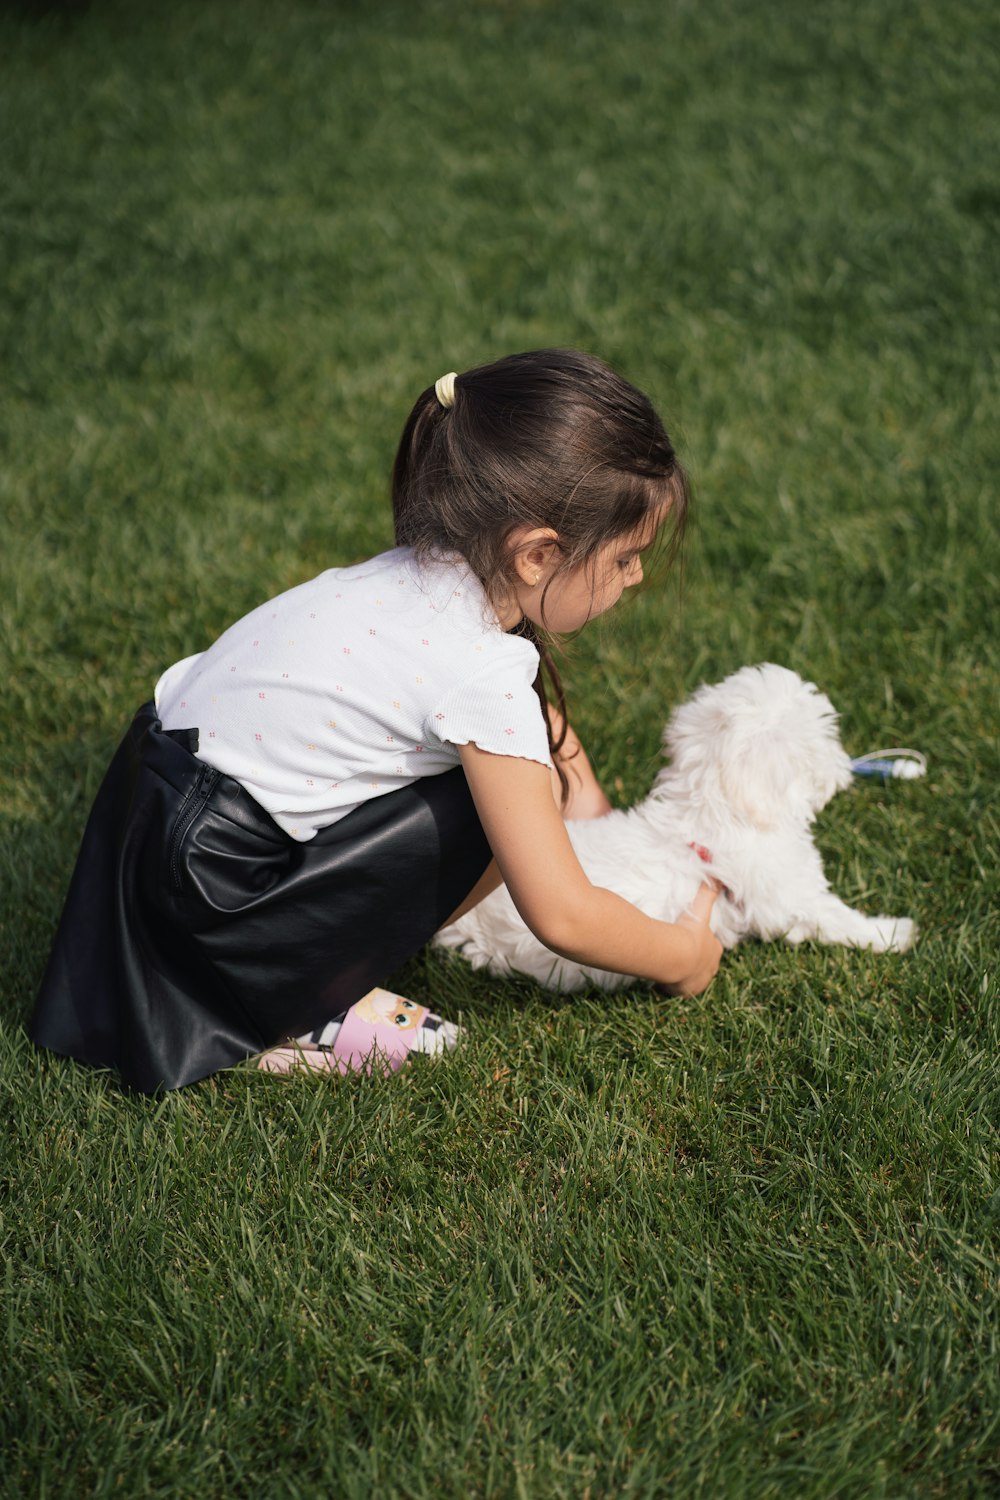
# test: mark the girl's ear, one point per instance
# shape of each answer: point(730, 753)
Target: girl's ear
point(532, 552)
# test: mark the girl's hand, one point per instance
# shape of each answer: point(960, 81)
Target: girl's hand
point(548, 886)
point(706, 950)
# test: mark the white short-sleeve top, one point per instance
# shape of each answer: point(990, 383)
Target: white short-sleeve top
point(356, 683)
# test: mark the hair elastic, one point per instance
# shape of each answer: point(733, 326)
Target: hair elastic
point(444, 390)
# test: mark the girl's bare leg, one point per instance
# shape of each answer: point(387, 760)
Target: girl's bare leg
point(488, 881)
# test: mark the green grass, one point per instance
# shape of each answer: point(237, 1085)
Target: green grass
point(743, 1246)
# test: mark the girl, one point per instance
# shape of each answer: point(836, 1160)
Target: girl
point(307, 801)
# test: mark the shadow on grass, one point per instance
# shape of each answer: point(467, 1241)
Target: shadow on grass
point(42, 820)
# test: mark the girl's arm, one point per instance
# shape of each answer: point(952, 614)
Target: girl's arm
point(581, 921)
point(586, 797)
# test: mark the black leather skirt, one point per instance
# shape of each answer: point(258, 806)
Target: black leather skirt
point(196, 932)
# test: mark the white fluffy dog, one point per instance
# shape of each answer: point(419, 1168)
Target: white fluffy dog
point(752, 761)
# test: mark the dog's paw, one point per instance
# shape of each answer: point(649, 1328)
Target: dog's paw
point(892, 934)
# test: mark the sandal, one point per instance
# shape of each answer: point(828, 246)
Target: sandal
point(381, 1027)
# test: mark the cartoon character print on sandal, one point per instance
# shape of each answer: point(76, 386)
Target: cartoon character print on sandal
point(379, 1030)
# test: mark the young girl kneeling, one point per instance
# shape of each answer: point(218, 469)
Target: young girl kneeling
point(304, 804)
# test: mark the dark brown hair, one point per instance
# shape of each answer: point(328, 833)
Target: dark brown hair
point(550, 438)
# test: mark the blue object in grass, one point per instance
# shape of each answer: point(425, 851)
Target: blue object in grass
point(890, 765)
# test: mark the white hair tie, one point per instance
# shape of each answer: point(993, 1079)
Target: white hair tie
point(444, 389)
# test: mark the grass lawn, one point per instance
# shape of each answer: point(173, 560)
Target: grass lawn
point(742, 1246)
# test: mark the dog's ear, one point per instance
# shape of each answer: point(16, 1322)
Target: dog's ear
point(761, 782)
point(789, 767)
point(763, 740)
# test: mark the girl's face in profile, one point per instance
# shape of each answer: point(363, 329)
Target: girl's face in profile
point(561, 602)
point(573, 598)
